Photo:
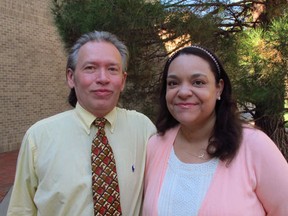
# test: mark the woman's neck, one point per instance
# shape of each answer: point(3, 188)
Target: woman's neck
point(198, 132)
point(191, 142)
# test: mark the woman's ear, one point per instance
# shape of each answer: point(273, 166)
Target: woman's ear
point(220, 87)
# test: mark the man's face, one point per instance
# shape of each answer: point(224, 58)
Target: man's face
point(98, 78)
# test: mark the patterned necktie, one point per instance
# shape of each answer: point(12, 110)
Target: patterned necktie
point(106, 195)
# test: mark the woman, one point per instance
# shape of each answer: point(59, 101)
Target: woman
point(204, 160)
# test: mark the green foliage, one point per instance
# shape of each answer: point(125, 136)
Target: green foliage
point(254, 52)
point(121, 17)
point(255, 59)
point(278, 35)
point(145, 27)
point(263, 66)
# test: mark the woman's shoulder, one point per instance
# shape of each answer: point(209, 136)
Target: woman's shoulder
point(252, 135)
point(163, 137)
point(258, 143)
point(159, 140)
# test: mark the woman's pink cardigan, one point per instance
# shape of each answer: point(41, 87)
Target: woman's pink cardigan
point(254, 183)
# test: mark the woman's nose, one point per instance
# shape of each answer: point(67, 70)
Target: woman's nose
point(185, 91)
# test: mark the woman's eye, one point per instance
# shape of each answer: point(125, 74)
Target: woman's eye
point(198, 83)
point(171, 83)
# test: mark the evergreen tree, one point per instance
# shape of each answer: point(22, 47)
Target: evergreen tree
point(249, 36)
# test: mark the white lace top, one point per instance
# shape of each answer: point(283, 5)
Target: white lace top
point(184, 186)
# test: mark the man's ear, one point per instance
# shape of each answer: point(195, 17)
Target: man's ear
point(124, 80)
point(70, 78)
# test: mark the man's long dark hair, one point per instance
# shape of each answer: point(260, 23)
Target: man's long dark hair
point(227, 134)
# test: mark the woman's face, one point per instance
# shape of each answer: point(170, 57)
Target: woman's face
point(191, 90)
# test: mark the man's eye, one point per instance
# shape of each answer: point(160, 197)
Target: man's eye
point(89, 68)
point(113, 69)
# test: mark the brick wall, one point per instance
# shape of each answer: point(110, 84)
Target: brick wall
point(32, 68)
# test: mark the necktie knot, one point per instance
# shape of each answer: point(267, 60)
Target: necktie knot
point(100, 122)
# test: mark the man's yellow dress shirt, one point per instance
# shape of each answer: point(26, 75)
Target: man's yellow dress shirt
point(53, 176)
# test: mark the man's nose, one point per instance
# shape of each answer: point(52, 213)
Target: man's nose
point(102, 76)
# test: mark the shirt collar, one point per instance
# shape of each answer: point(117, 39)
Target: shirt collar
point(87, 118)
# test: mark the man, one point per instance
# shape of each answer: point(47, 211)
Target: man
point(53, 174)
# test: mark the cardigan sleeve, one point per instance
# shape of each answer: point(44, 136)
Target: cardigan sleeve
point(271, 172)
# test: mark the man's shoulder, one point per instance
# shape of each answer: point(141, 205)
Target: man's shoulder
point(135, 121)
point(59, 118)
point(131, 114)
